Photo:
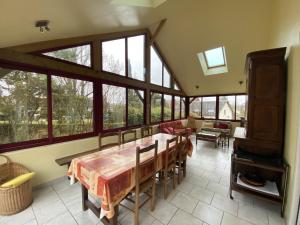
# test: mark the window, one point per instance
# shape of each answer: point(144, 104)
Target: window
point(136, 57)
point(167, 78)
point(156, 107)
point(135, 107)
point(213, 61)
point(209, 107)
point(176, 87)
point(156, 68)
point(182, 105)
point(167, 107)
point(80, 54)
point(176, 107)
point(72, 106)
point(241, 104)
point(227, 107)
point(23, 106)
point(195, 107)
point(114, 106)
point(113, 56)
point(215, 57)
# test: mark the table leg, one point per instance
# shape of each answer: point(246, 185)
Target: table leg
point(84, 197)
point(112, 221)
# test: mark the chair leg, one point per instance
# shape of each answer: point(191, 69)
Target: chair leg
point(136, 210)
point(165, 180)
point(184, 168)
point(153, 195)
point(174, 177)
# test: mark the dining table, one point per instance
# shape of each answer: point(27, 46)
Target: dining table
point(109, 174)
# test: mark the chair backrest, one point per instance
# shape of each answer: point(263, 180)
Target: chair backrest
point(181, 147)
point(131, 134)
point(146, 169)
point(171, 152)
point(111, 143)
point(146, 131)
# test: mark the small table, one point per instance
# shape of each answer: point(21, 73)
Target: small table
point(209, 136)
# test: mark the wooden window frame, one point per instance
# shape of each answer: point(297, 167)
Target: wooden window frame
point(218, 66)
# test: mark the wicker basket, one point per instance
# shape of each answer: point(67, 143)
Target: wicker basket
point(14, 200)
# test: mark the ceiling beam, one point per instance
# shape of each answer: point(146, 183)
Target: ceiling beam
point(158, 29)
point(18, 60)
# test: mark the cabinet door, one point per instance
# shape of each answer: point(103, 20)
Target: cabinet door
point(266, 101)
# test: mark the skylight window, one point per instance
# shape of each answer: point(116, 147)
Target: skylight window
point(141, 3)
point(215, 57)
point(213, 61)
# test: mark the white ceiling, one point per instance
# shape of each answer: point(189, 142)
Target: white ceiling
point(192, 26)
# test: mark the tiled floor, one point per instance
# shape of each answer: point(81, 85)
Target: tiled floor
point(201, 199)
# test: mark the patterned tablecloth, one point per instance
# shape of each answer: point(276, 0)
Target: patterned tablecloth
point(110, 174)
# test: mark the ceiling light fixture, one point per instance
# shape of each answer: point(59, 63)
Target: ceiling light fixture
point(43, 25)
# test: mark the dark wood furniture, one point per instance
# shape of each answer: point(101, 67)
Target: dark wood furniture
point(146, 185)
point(68, 159)
point(146, 131)
point(110, 143)
point(128, 136)
point(210, 136)
point(169, 167)
point(258, 149)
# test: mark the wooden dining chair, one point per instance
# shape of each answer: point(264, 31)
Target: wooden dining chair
point(181, 155)
point(114, 140)
point(128, 136)
point(168, 171)
point(145, 180)
point(146, 131)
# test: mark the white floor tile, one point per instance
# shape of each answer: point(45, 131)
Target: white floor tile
point(185, 202)
point(202, 194)
point(208, 214)
point(64, 219)
point(254, 215)
point(225, 204)
point(19, 218)
point(184, 218)
point(232, 220)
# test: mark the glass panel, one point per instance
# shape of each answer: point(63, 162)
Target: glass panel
point(167, 78)
point(80, 55)
point(114, 106)
point(72, 106)
point(209, 107)
point(176, 108)
point(167, 107)
point(156, 107)
point(241, 106)
point(23, 106)
point(215, 57)
point(136, 57)
point(176, 87)
point(227, 107)
point(156, 68)
point(113, 56)
point(182, 108)
point(135, 107)
point(195, 108)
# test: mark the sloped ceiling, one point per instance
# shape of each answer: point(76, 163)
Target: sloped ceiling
point(192, 26)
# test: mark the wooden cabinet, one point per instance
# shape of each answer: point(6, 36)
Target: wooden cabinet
point(258, 149)
point(266, 75)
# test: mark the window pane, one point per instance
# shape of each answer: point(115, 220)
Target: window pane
point(167, 107)
point(113, 56)
point(177, 108)
point(241, 106)
point(215, 57)
point(114, 106)
point(195, 108)
point(136, 57)
point(23, 106)
point(72, 103)
point(156, 68)
point(167, 78)
point(176, 87)
point(226, 107)
point(135, 107)
point(156, 107)
point(182, 108)
point(80, 55)
point(209, 107)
